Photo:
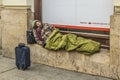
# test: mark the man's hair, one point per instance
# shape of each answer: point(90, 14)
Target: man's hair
point(35, 26)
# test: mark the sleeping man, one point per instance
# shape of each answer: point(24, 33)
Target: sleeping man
point(52, 39)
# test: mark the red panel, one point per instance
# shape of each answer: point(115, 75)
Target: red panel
point(81, 27)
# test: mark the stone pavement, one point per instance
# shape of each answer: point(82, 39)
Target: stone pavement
point(8, 71)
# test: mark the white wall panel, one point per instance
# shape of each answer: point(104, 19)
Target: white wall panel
point(95, 13)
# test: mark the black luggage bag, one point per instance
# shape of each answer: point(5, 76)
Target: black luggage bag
point(30, 37)
point(22, 53)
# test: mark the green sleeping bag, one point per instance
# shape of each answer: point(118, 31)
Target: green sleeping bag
point(71, 42)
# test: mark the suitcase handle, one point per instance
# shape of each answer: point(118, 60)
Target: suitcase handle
point(21, 45)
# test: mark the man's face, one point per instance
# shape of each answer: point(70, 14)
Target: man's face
point(38, 23)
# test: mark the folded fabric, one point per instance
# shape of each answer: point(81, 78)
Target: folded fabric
point(71, 42)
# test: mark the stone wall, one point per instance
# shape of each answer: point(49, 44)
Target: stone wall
point(16, 20)
point(115, 37)
point(97, 64)
point(116, 2)
point(115, 41)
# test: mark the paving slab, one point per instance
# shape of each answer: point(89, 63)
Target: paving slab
point(6, 64)
point(8, 71)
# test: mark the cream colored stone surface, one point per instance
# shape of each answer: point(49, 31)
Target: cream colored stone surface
point(14, 30)
point(15, 2)
point(115, 53)
point(115, 25)
point(116, 2)
point(102, 57)
point(117, 9)
point(115, 43)
point(115, 39)
point(97, 64)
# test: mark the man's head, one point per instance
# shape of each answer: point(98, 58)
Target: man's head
point(36, 24)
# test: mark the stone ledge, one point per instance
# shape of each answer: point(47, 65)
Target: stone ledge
point(75, 61)
point(100, 57)
point(16, 6)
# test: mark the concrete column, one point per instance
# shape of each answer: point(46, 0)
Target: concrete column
point(115, 37)
point(17, 17)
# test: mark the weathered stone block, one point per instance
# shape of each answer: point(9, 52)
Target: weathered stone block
point(116, 2)
point(115, 44)
point(14, 16)
point(11, 37)
point(115, 56)
point(117, 9)
point(115, 41)
point(91, 68)
point(115, 24)
point(14, 30)
point(97, 64)
point(103, 57)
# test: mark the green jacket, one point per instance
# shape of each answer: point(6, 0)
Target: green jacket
point(46, 31)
